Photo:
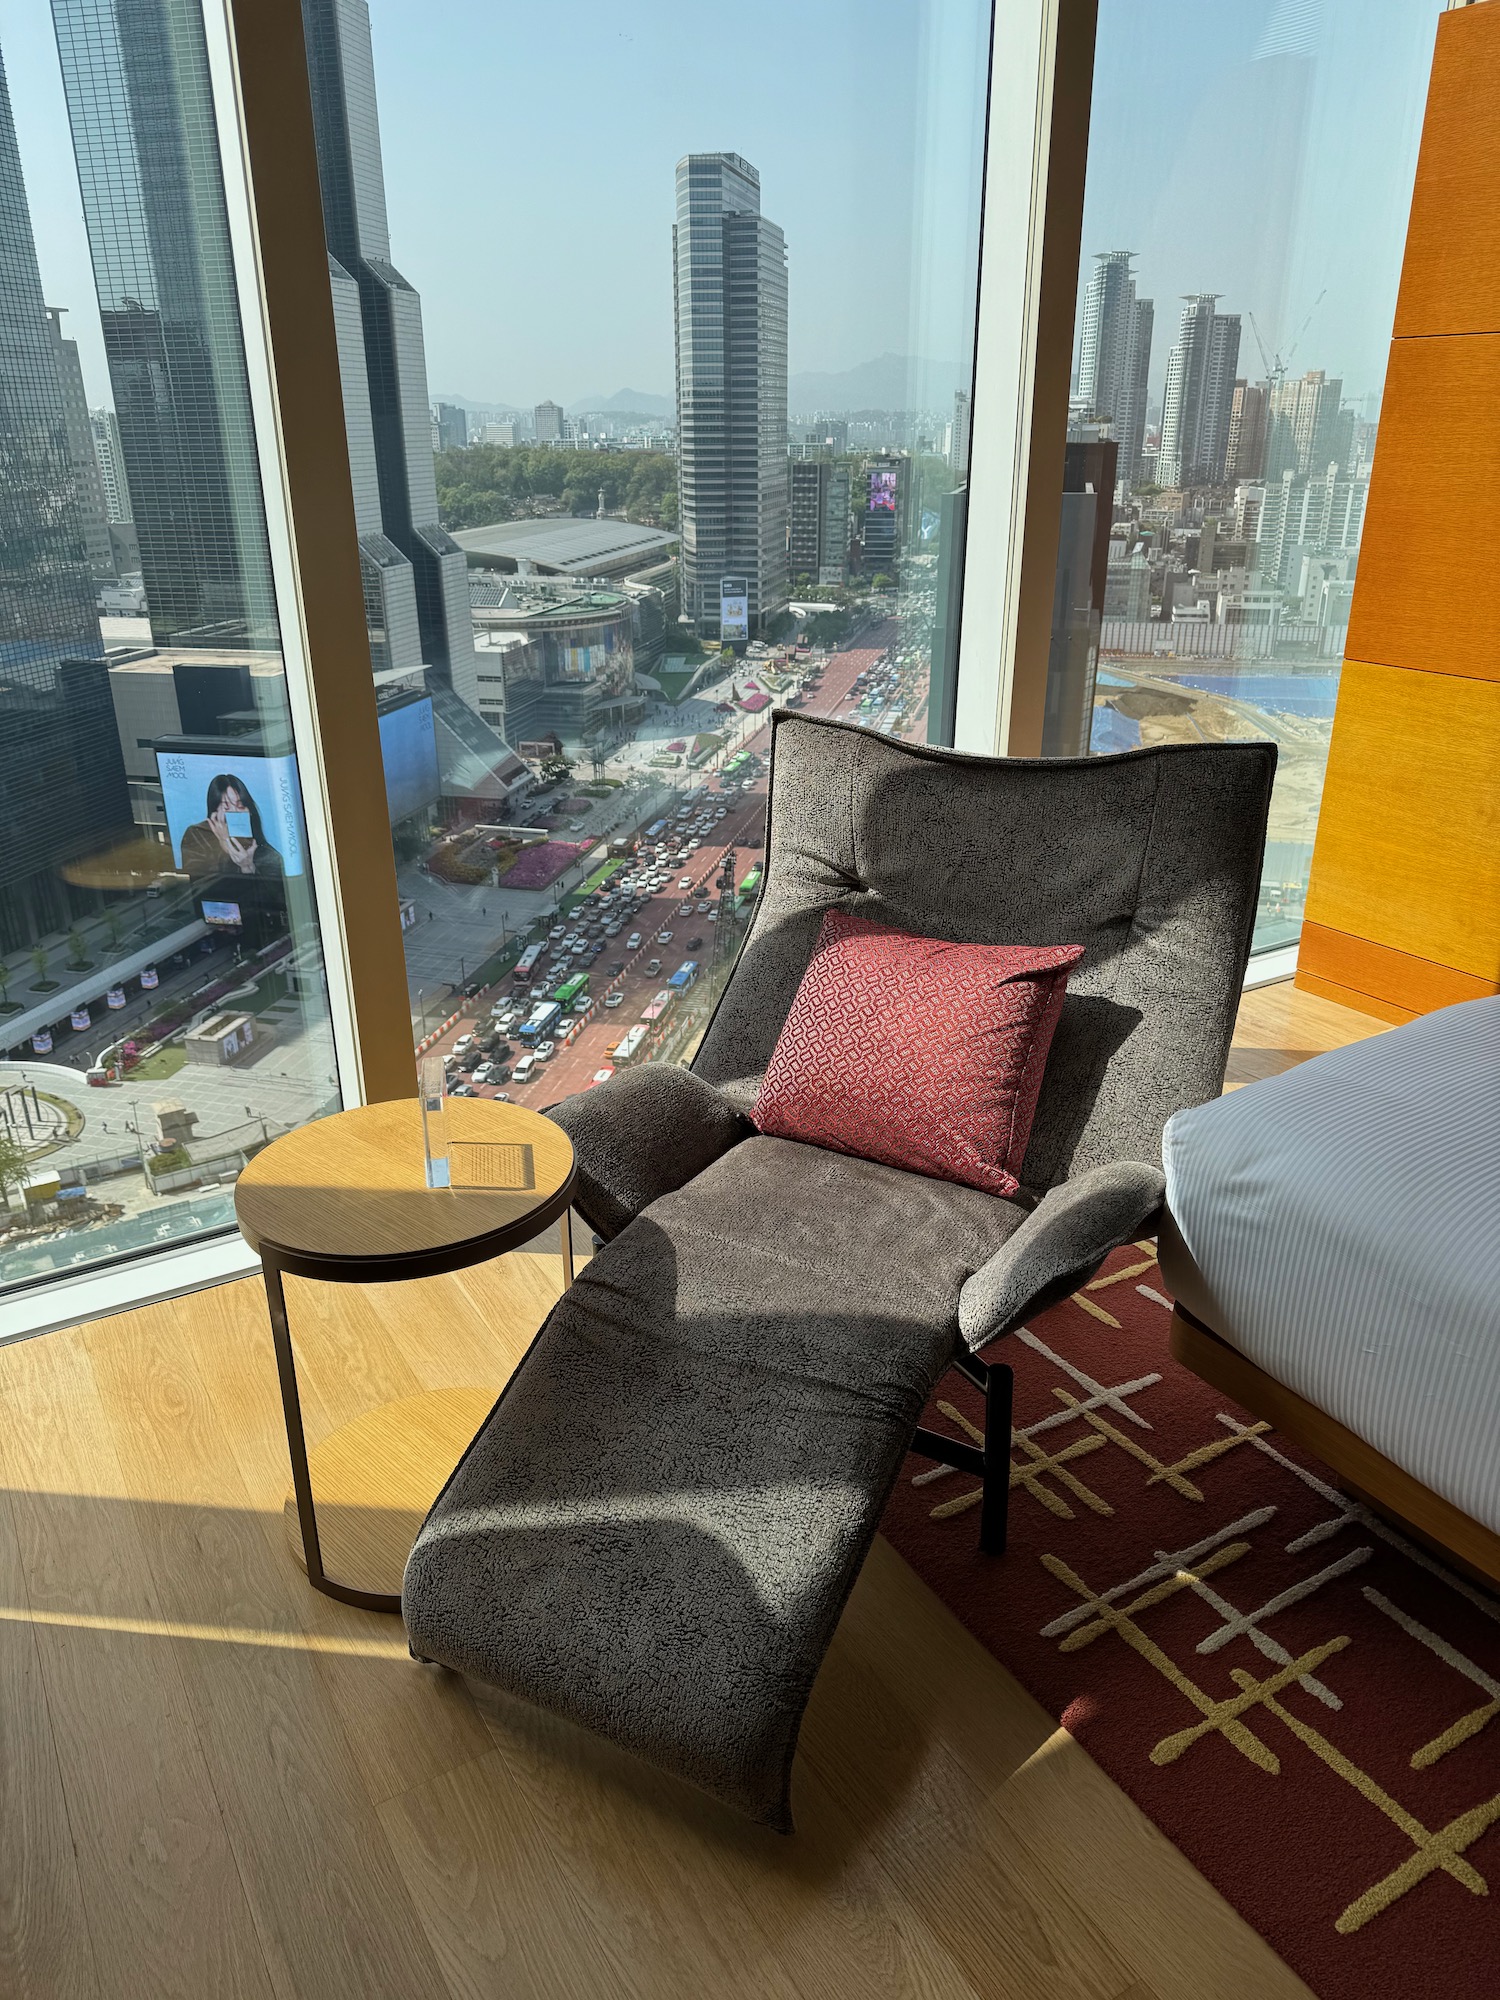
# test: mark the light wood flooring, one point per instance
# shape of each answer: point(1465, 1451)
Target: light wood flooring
point(214, 1782)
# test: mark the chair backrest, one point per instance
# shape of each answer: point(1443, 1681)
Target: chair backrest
point(1150, 860)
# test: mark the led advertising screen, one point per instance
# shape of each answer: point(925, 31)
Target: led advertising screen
point(232, 812)
point(408, 749)
point(883, 490)
point(734, 609)
point(225, 915)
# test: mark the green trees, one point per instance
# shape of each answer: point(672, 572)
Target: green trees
point(15, 1168)
point(494, 482)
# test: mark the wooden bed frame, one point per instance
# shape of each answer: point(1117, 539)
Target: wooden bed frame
point(1363, 1472)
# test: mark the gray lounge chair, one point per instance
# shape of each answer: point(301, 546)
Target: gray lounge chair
point(660, 1522)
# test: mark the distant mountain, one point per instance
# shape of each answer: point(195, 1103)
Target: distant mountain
point(890, 382)
point(472, 403)
point(639, 402)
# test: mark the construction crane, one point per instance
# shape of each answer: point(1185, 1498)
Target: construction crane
point(1276, 369)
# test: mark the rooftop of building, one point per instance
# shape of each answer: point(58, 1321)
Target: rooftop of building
point(566, 545)
point(533, 601)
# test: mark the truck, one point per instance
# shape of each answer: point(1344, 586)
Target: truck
point(685, 976)
point(543, 1020)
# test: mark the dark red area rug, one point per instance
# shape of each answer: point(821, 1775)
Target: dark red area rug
point(1304, 1702)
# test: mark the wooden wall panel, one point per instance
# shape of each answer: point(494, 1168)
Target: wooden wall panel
point(1403, 906)
point(1425, 596)
point(1450, 279)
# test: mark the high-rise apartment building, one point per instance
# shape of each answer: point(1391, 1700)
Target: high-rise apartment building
point(93, 515)
point(549, 424)
point(415, 574)
point(817, 520)
point(136, 81)
point(729, 287)
point(1307, 428)
point(1199, 395)
point(1245, 452)
point(1114, 356)
point(64, 790)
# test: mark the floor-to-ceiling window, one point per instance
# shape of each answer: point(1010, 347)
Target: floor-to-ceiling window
point(1249, 176)
point(656, 340)
point(162, 1000)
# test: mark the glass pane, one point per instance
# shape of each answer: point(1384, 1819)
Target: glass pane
point(161, 983)
point(658, 415)
point(1241, 253)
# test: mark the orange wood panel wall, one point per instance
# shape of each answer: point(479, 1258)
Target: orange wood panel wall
point(1403, 909)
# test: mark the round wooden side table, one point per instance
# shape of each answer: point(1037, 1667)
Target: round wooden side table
point(345, 1200)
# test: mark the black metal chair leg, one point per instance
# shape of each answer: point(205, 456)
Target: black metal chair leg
point(995, 1506)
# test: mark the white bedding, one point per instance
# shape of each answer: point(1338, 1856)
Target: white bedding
point(1345, 1220)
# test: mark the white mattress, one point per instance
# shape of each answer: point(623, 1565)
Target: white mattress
point(1345, 1220)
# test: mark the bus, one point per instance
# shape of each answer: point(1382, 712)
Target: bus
point(543, 1020)
point(629, 1045)
point(660, 1002)
point(685, 976)
point(525, 962)
point(736, 763)
point(570, 989)
point(750, 887)
point(655, 831)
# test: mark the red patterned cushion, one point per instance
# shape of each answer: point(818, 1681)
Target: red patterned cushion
point(921, 1054)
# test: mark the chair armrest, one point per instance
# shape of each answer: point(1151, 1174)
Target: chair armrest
point(642, 1134)
point(1062, 1242)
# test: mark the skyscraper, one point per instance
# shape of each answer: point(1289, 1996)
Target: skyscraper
point(1114, 355)
point(135, 73)
point(453, 426)
point(93, 515)
point(547, 422)
point(111, 460)
point(729, 290)
point(63, 792)
point(1199, 395)
point(415, 575)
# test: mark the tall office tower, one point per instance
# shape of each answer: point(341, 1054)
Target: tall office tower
point(833, 535)
point(1199, 396)
point(135, 73)
point(806, 479)
point(111, 461)
point(729, 292)
point(958, 434)
point(453, 426)
point(63, 794)
point(1245, 452)
point(1114, 356)
point(547, 418)
point(88, 485)
point(1307, 429)
point(415, 575)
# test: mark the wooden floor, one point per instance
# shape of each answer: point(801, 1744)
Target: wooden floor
point(215, 1783)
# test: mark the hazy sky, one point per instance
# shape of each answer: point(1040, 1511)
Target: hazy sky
point(1263, 149)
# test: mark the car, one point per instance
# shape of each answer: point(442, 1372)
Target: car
point(653, 966)
point(579, 948)
point(611, 930)
point(463, 1090)
point(601, 1076)
point(614, 999)
point(544, 1050)
point(663, 937)
point(634, 941)
point(686, 882)
point(713, 916)
point(617, 968)
point(502, 1073)
point(694, 943)
point(694, 845)
point(502, 1097)
point(539, 992)
point(722, 813)
point(471, 1061)
point(557, 930)
point(685, 909)
point(704, 907)
point(463, 1042)
point(484, 1072)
